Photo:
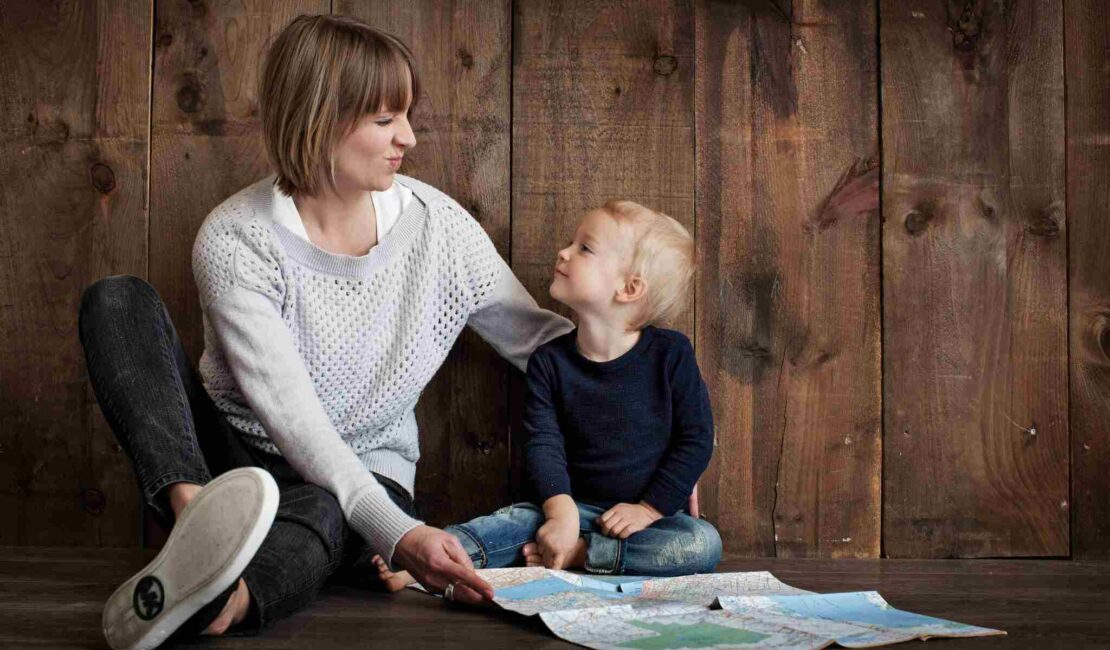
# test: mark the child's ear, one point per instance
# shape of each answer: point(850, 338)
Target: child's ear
point(634, 289)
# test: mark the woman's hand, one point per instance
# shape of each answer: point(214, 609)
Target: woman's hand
point(436, 559)
point(623, 519)
point(556, 540)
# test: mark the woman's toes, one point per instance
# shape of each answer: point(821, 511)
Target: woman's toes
point(233, 612)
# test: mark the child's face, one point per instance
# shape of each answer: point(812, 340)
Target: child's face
point(590, 271)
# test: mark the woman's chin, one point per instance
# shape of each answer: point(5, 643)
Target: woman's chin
point(381, 184)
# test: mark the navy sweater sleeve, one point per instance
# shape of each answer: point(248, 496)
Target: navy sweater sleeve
point(691, 436)
point(545, 447)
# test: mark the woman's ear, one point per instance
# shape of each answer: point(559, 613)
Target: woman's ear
point(633, 290)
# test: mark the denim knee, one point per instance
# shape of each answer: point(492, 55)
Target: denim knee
point(116, 293)
point(695, 547)
point(494, 541)
point(708, 541)
point(318, 510)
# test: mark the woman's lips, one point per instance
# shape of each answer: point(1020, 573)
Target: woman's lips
point(395, 163)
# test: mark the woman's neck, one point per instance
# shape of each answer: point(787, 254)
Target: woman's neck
point(336, 214)
point(601, 340)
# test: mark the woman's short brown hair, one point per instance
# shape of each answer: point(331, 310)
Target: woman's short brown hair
point(321, 75)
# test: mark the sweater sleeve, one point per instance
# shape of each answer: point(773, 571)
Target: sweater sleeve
point(545, 454)
point(241, 294)
point(691, 444)
point(502, 312)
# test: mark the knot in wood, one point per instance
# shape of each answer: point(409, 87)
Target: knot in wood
point(103, 178)
point(916, 222)
point(189, 97)
point(664, 65)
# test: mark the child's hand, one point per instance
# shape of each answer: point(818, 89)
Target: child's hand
point(623, 519)
point(556, 541)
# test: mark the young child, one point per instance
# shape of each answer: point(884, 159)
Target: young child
point(617, 415)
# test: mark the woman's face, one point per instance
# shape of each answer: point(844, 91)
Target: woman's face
point(369, 157)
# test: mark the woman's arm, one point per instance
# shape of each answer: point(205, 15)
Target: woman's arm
point(501, 311)
point(511, 321)
point(272, 377)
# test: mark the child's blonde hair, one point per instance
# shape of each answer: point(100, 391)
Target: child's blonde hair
point(321, 75)
point(663, 256)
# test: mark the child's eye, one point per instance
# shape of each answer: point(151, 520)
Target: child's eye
point(586, 248)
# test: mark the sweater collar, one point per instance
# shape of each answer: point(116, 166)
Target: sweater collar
point(302, 250)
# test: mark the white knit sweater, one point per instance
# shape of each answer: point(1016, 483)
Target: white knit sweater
point(321, 357)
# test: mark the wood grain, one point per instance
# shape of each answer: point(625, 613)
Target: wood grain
point(462, 130)
point(788, 304)
point(602, 108)
point(206, 141)
point(1087, 34)
point(53, 598)
point(974, 280)
point(73, 156)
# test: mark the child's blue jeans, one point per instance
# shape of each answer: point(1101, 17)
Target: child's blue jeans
point(672, 546)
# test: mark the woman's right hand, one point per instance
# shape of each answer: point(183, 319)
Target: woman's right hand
point(436, 559)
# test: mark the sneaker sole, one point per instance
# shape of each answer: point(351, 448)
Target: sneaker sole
point(210, 545)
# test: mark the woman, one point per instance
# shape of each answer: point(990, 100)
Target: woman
point(331, 293)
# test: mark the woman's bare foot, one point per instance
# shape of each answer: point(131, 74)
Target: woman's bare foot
point(234, 611)
point(577, 559)
point(393, 582)
point(180, 494)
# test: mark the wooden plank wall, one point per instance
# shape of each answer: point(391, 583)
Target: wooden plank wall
point(788, 299)
point(974, 280)
point(1087, 37)
point(901, 307)
point(74, 135)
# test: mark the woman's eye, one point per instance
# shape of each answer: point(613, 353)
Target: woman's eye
point(385, 122)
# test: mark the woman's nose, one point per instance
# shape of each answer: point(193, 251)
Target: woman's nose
point(404, 136)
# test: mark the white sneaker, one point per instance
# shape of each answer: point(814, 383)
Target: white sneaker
point(209, 547)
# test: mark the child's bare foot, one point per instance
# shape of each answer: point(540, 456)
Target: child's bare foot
point(576, 560)
point(531, 555)
point(393, 582)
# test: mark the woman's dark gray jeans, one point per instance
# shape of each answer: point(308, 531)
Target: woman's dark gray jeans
point(169, 427)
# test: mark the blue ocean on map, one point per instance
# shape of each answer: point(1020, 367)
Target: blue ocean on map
point(856, 607)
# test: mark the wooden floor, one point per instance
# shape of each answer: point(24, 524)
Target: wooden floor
point(52, 597)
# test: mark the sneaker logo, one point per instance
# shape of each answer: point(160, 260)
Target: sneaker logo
point(148, 598)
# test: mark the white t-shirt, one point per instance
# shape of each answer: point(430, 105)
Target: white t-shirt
point(389, 205)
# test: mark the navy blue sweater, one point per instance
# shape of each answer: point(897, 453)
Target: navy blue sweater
point(638, 427)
